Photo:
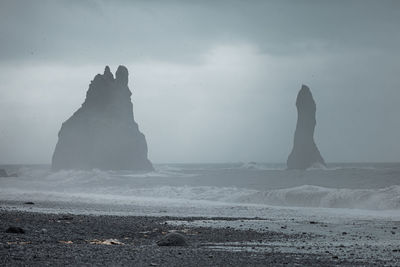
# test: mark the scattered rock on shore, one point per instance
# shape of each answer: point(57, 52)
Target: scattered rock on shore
point(15, 230)
point(173, 239)
point(66, 218)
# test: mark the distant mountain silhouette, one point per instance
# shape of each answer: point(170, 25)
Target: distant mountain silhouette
point(102, 133)
point(305, 152)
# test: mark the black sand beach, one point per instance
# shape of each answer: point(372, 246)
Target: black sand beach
point(81, 240)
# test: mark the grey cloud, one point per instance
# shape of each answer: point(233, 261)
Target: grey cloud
point(105, 31)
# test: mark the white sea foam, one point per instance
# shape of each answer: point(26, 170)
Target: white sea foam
point(262, 166)
point(178, 186)
point(316, 196)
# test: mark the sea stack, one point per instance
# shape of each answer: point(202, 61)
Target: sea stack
point(3, 173)
point(305, 152)
point(102, 133)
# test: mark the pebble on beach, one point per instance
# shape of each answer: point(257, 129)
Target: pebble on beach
point(173, 239)
point(15, 230)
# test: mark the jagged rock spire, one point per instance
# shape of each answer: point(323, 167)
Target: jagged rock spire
point(102, 133)
point(107, 73)
point(122, 75)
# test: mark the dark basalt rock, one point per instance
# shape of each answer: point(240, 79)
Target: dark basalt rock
point(305, 152)
point(3, 173)
point(103, 134)
point(15, 230)
point(173, 239)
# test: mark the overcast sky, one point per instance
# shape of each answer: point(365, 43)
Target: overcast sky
point(212, 81)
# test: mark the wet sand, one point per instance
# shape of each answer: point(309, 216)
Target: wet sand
point(76, 240)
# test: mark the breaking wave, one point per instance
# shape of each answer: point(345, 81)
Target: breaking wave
point(262, 166)
point(170, 184)
point(316, 196)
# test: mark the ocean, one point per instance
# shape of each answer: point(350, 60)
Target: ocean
point(230, 190)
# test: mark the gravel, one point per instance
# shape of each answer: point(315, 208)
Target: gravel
point(82, 240)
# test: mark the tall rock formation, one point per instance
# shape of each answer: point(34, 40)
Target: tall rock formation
point(305, 153)
point(102, 133)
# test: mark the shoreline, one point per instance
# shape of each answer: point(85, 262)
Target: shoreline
point(66, 239)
